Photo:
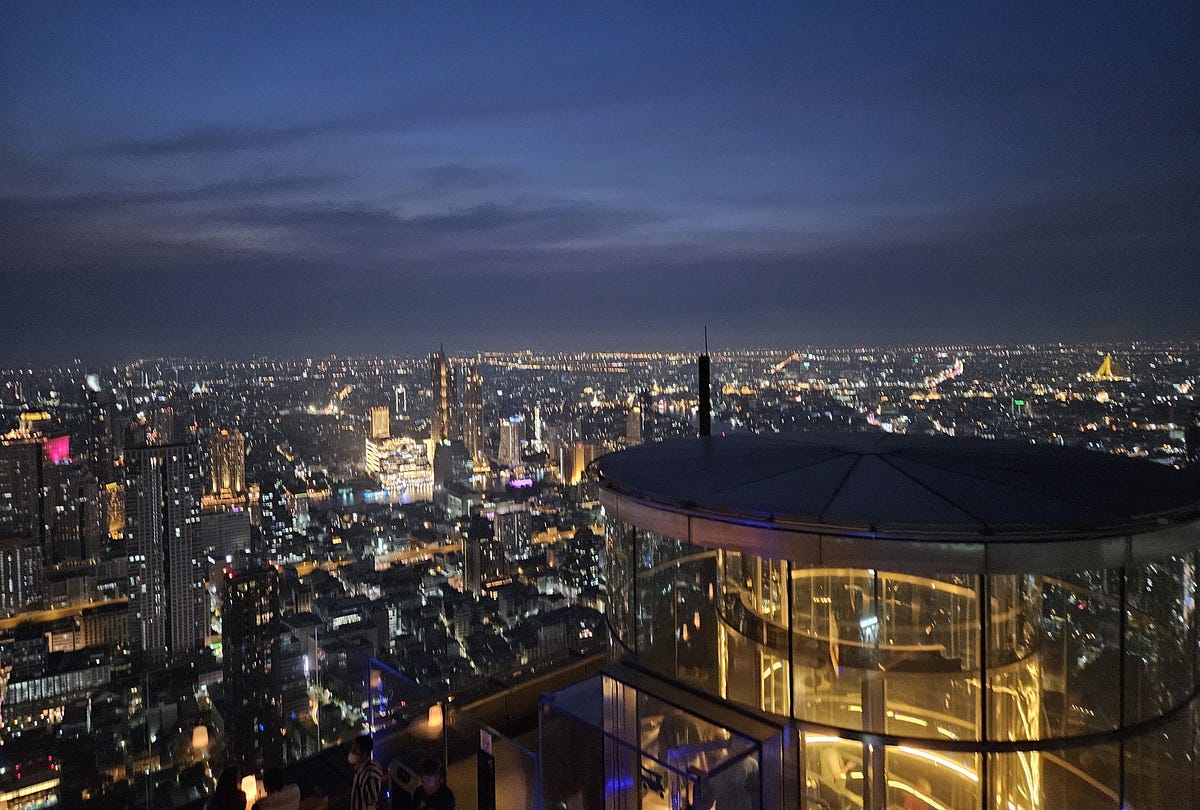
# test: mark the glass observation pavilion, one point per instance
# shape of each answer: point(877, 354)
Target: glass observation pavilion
point(887, 622)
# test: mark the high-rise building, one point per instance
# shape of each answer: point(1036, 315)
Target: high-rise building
point(574, 459)
point(443, 418)
point(277, 518)
point(227, 463)
point(74, 513)
point(381, 422)
point(48, 499)
point(483, 556)
point(451, 464)
point(22, 471)
point(224, 532)
point(162, 526)
point(163, 426)
point(1191, 434)
point(512, 434)
point(113, 499)
point(101, 443)
point(514, 530)
point(633, 425)
point(250, 643)
point(20, 574)
point(401, 396)
point(472, 411)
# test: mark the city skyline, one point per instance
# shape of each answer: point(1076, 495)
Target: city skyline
point(249, 564)
point(215, 182)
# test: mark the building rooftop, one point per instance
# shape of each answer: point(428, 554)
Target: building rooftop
point(885, 487)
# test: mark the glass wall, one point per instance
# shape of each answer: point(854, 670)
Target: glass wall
point(944, 662)
point(608, 744)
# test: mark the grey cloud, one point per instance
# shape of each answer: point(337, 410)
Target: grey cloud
point(224, 191)
point(533, 224)
point(220, 139)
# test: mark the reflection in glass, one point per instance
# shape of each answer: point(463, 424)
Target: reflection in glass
point(1159, 600)
point(902, 654)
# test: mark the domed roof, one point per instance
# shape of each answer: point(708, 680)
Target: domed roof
point(881, 483)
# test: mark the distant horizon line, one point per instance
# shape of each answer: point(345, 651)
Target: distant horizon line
point(465, 354)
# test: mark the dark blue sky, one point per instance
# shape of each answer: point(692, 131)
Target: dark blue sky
point(221, 180)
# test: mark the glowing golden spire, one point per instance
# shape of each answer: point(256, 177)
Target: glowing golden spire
point(1107, 372)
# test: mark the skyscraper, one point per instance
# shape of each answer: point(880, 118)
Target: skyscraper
point(512, 434)
point(443, 419)
point(250, 630)
point(381, 422)
point(483, 556)
point(162, 524)
point(633, 425)
point(277, 518)
point(224, 532)
point(20, 574)
point(74, 515)
point(227, 460)
point(21, 489)
point(101, 435)
point(514, 530)
point(472, 411)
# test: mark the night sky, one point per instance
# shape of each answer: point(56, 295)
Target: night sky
point(214, 180)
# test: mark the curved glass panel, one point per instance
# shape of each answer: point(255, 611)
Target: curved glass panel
point(906, 655)
point(1159, 602)
point(676, 602)
point(619, 568)
point(1161, 768)
point(1079, 643)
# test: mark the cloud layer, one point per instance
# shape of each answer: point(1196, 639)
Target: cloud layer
point(259, 181)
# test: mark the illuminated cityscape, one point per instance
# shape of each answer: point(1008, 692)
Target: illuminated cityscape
point(261, 567)
point(531, 406)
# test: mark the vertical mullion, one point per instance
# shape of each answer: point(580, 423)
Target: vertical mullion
point(985, 606)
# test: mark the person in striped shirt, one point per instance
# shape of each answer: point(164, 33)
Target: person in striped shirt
point(368, 776)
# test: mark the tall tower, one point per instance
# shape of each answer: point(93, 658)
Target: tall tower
point(250, 629)
point(23, 529)
point(472, 411)
point(74, 516)
point(483, 556)
point(633, 424)
point(162, 525)
point(443, 420)
point(101, 430)
point(514, 530)
point(227, 455)
point(22, 473)
point(21, 573)
point(512, 433)
point(381, 422)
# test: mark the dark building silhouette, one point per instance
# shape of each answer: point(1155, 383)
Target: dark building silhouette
point(250, 643)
